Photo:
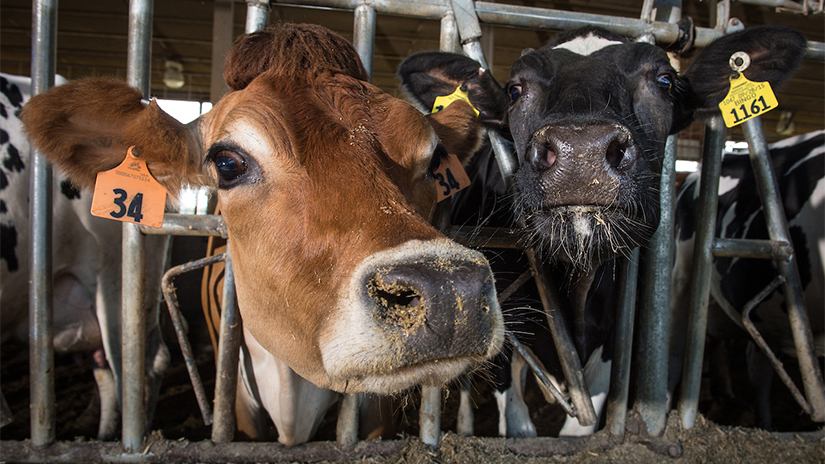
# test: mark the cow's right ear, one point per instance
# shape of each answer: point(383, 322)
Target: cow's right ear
point(427, 75)
point(85, 127)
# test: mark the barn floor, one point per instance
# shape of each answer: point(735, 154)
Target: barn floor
point(723, 433)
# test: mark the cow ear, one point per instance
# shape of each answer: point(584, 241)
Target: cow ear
point(85, 127)
point(775, 53)
point(427, 75)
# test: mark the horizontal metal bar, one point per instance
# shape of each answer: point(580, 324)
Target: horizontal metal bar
point(196, 225)
point(487, 237)
point(538, 18)
point(746, 248)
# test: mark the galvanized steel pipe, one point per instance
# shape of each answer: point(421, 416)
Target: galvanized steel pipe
point(133, 330)
point(229, 342)
point(41, 333)
point(622, 345)
point(257, 15)
point(792, 290)
point(430, 415)
point(654, 307)
point(448, 39)
point(363, 33)
point(702, 263)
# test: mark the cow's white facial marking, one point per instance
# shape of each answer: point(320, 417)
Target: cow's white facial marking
point(587, 45)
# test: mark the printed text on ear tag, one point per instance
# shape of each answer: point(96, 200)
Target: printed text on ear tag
point(746, 100)
point(129, 193)
point(450, 177)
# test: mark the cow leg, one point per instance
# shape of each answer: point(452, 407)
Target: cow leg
point(250, 418)
point(514, 416)
point(597, 377)
point(760, 374)
point(107, 428)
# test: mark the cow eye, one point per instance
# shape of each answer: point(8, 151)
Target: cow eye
point(515, 92)
point(665, 82)
point(229, 165)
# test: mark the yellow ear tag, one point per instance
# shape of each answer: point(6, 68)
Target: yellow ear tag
point(746, 100)
point(451, 177)
point(444, 101)
point(129, 193)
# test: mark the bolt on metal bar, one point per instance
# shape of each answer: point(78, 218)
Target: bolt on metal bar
point(363, 33)
point(430, 415)
point(229, 343)
point(763, 345)
point(702, 263)
point(654, 305)
point(628, 275)
point(346, 430)
point(794, 301)
point(133, 330)
point(41, 332)
point(169, 293)
point(257, 15)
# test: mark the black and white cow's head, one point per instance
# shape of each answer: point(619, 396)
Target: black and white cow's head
point(589, 115)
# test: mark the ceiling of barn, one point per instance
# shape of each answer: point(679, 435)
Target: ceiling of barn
point(92, 40)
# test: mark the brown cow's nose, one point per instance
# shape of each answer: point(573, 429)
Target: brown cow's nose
point(439, 307)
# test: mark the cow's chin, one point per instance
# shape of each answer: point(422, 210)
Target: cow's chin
point(586, 235)
point(398, 380)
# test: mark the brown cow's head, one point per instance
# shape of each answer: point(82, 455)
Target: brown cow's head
point(325, 183)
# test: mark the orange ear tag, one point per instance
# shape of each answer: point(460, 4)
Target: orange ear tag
point(746, 100)
point(129, 193)
point(451, 177)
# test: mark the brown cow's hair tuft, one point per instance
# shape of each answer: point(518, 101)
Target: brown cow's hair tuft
point(291, 50)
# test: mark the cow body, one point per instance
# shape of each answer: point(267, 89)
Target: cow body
point(589, 115)
point(799, 163)
point(86, 268)
point(325, 184)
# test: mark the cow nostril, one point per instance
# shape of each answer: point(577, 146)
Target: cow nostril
point(542, 157)
point(615, 154)
point(398, 304)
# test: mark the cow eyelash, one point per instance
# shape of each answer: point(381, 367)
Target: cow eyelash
point(230, 163)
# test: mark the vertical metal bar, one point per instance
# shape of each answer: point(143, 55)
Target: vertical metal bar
point(138, 74)
point(257, 15)
point(565, 348)
point(41, 343)
point(229, 342)
point(449, 41)
point(363, 33)
point(346, 430)
point(430, 415)
point(702, 262)
point(654, 307)
point(792, 289)
point(622, 344)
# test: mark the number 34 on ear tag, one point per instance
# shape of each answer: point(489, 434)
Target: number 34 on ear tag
point(129, 193)
point(450, 177)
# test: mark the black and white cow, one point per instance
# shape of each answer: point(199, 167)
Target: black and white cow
point(589, 115)
point(799, 163)
point(86, 267)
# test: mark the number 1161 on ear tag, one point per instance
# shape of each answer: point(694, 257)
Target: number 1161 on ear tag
point(129, 193)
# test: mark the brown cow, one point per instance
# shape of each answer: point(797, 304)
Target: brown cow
point(326, 186)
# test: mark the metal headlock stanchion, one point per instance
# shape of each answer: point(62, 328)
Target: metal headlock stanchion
point(461, 15)
point(41, 334)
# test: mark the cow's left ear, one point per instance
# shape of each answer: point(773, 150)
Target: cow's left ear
point(427, 75)
point(775, 53)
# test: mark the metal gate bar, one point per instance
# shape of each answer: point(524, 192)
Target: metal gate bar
point(41, 337)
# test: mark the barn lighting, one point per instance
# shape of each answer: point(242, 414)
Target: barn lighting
point(173, 77)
